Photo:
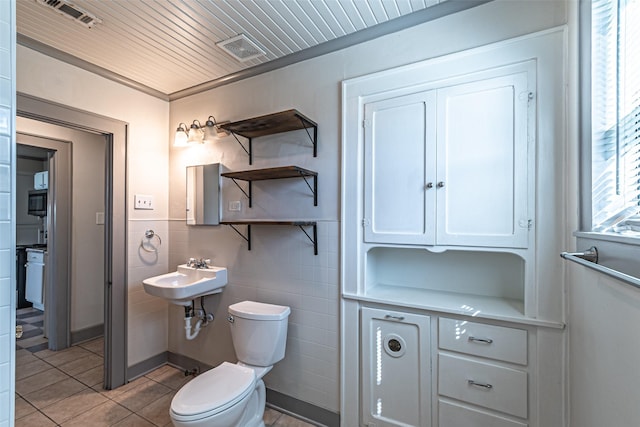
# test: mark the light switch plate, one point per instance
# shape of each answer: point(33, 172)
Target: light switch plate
point(142, 201)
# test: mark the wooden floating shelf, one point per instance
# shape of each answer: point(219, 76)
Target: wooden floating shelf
point(284, 121)
point(270, 124)
point(301, 224)
point(274, 173)
point(270, 173)
point(268, 222)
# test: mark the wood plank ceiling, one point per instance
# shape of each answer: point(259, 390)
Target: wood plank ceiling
point(170, 45)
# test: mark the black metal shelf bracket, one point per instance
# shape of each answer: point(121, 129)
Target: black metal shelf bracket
point(247, 238)
point(314, 140)
point(314, 189)
point(313, 239)
point(249, 151)
point(247, 194)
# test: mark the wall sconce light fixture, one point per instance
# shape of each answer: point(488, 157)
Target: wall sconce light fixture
point(213, 131)
point(198, 134)
point(182, 136)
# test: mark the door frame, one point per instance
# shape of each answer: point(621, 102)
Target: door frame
point(115, 301)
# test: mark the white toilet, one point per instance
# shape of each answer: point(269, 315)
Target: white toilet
point(234, 395)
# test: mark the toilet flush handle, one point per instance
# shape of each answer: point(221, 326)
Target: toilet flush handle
point(230, 319)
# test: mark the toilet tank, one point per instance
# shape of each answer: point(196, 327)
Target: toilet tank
point(259, 332)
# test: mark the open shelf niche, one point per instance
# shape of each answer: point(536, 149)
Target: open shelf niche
point(484, 284)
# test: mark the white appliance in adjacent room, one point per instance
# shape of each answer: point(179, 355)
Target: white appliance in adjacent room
point(41, 180)
point(34, 288)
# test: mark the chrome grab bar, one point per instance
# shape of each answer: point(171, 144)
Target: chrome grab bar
point(590, 254)
point(582, 258)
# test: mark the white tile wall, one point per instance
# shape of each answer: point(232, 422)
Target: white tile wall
point(147, 315)
point(7, 243)
point(280, 269)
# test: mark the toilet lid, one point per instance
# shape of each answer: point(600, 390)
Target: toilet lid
point(214, 391)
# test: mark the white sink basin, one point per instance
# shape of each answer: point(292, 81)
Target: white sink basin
point(188, 283)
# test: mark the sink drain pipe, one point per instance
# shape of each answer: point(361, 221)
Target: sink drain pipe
point(203, 317)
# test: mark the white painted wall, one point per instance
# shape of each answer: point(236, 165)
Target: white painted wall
point(281, 267)
point(7, 212)
point(147, 159)
point(604, 350)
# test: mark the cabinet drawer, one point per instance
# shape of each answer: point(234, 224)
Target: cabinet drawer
point(494, 342)
point(484, 384)
point(453, 415)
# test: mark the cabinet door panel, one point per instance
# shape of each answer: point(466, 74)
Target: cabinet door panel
point(478, 339)
point(482, 143)
point(399, 156)
point(396, 369)
point(454, 415)
point(483, 384)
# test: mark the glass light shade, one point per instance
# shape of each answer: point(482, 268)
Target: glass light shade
point(196, 135)
point(181, 137)
point(210, 133)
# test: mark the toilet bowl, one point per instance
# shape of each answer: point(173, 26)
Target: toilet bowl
point(218, 397)
point(233, 395)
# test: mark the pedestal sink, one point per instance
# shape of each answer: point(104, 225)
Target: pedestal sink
point(187, 283)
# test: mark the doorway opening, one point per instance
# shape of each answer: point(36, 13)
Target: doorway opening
point(113, 219)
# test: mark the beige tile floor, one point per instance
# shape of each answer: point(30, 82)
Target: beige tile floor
point(64, 388)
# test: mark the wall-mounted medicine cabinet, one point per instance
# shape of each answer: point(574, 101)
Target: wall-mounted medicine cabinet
point(203, 194)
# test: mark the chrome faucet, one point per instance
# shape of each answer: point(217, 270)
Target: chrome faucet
point(198, 263)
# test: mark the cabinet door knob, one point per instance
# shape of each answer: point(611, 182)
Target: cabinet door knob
point(429, 185)
point(440, 184)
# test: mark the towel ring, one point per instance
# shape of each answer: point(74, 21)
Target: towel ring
point(150, 235)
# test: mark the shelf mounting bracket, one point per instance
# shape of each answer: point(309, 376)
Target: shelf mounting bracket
point(248, 195)
point(314, 140)
point(314, 189)
point(313, 239)
point(247, 238)
point(249, 151)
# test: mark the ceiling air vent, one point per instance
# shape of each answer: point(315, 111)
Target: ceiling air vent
point(72, 11)
point(241, 48)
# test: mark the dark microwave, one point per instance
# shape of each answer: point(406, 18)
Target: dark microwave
point(38, 202)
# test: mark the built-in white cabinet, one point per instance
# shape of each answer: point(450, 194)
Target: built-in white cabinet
point(449, 212)
point(396, 367)
point(448, 166)
point(482, 374)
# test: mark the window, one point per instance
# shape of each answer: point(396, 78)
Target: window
point(615, 116)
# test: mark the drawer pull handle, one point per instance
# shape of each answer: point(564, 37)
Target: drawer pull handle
point(396, 318)
point(483, 385)
point(481, 340)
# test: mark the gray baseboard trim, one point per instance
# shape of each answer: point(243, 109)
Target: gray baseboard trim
point(186, 363)
point(298, 408)
point(87, 334)
point(146, 366)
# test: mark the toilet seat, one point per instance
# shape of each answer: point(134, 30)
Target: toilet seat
point(213, 392)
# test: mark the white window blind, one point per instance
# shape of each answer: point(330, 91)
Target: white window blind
point(615, 116)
